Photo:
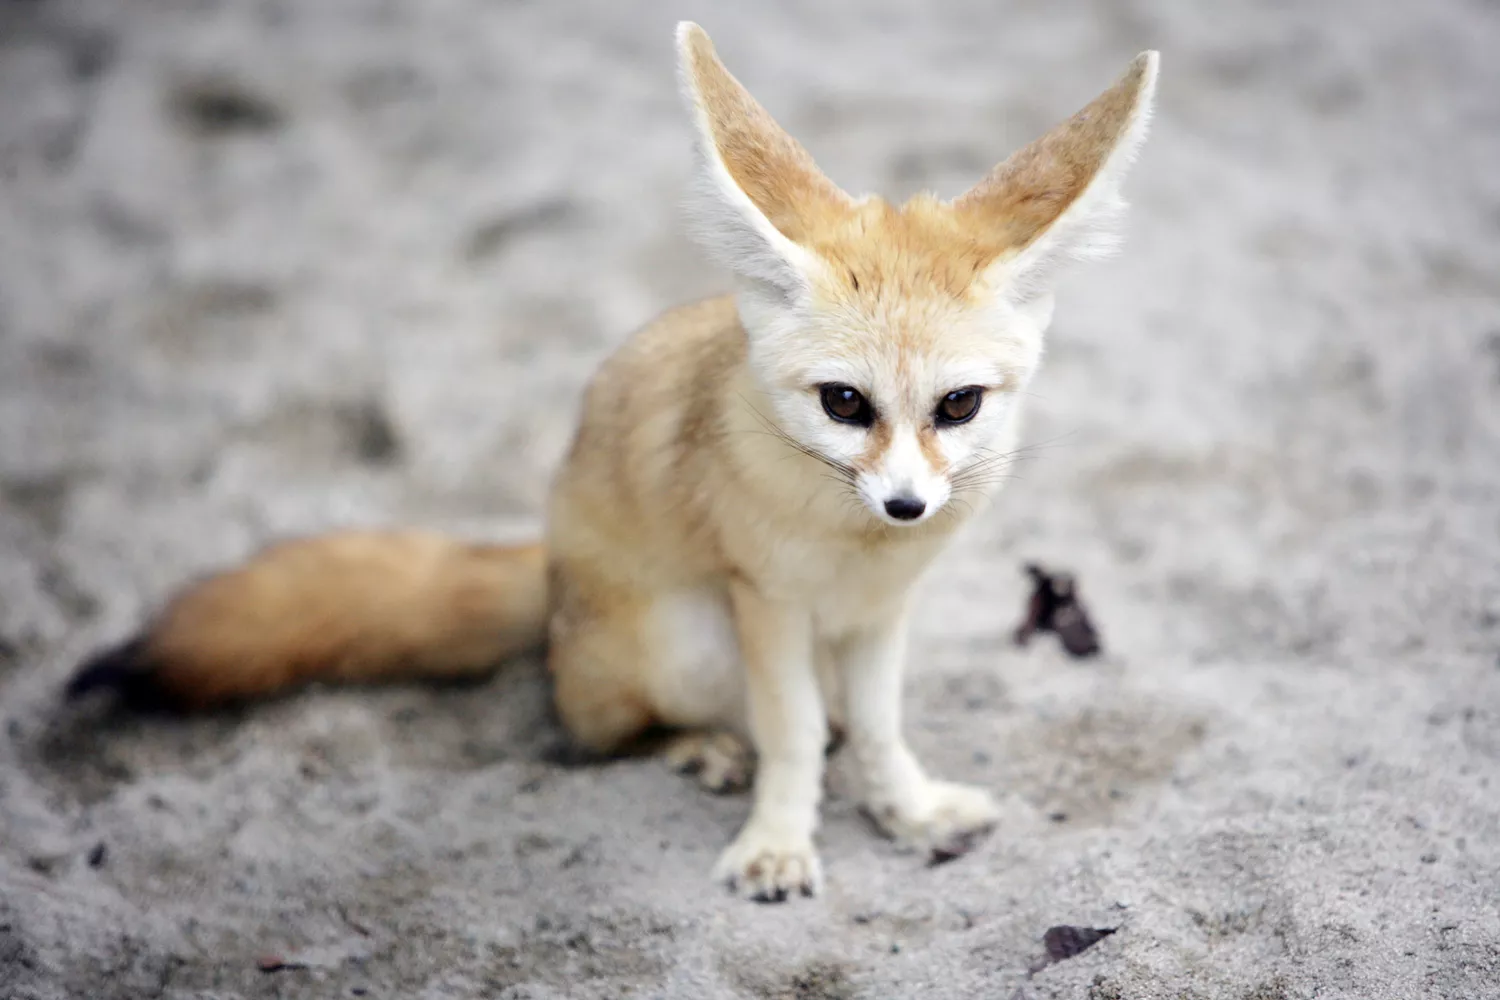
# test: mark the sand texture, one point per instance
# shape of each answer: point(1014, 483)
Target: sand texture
point(272, 267)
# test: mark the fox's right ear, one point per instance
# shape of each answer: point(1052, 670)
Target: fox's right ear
point(760, 196)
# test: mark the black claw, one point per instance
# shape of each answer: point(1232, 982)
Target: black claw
point(943, 854)
point(955, 847)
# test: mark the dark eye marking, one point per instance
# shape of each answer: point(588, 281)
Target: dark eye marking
point(959, 406)
point(846, 404)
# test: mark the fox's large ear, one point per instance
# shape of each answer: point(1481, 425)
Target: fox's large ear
point(761, 197)
point(1060, 196)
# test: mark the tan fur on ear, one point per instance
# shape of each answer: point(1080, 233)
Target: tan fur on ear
point(767, 164)
point(1061, 193)
point(767, 199)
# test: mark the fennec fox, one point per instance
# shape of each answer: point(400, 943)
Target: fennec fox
point(755, 485)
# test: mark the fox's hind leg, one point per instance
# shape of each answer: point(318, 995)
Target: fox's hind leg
point(596, 654)
point(624, 659)
point(721, 761)
point(696, 686)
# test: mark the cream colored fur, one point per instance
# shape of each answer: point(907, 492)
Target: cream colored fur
point(710, 573)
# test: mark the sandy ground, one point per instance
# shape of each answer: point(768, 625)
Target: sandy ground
point(271, 267)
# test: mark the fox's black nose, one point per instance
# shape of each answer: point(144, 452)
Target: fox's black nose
point(905, 508)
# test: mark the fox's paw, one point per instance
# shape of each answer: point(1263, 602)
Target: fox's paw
point(944, 819)
point(721, 761)
point(769, 868)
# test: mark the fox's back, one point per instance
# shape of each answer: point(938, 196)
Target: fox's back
point(641, 468)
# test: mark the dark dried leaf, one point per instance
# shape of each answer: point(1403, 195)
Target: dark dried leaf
point(276, 963)
point(1055, 606)
point(1065, 942)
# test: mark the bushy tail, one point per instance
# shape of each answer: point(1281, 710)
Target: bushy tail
point(347, 607)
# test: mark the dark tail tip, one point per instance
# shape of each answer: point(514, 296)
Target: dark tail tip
point(124, 669)
point(114, 669)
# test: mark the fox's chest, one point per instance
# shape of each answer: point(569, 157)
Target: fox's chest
point(844, 586)
point(867, 590)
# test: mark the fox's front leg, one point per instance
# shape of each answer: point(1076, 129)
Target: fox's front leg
point(773, 855)
point(944, 818)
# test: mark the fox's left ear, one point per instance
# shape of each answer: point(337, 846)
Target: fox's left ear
point(761, 196)
point(1059, 197)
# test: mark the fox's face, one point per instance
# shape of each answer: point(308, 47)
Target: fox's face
point(891, 343)
point(908, 401)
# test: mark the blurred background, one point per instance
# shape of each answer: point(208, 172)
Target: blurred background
point(272, 267)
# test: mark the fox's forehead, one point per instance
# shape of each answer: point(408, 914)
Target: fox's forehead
point(913, 347)
point(879, 254)
point(901, 304)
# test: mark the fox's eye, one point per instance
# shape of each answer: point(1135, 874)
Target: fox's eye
point(846, 405)
point(959, 406)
